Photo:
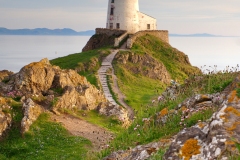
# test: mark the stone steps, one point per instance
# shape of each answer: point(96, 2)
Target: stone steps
point(102, 73)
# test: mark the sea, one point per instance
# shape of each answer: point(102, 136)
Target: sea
point(214, 53)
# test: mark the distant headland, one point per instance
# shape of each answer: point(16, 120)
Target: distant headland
point(45, 31)
point(71, 32)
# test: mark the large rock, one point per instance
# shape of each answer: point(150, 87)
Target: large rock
point(31, 112)
point(4, 75)
point(36, 77)
point(5, 116)
point(40, 78)
point(140, 152)
point(146, 65)
point(79, 93)
point(215, 139)
point(115, 110)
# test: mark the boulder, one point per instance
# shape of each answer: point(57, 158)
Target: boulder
point(5, 116)
point(146, 65)
point(115, 110)
point(34, 78)
point(140, 152)
point(31, 112)
point(4, 75)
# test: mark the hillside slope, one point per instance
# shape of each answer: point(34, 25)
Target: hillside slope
point(148, 68)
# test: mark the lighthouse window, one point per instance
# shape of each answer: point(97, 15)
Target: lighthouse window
point(112, 1)
point(111, 25)
point(148, 26)
point(118, 26)
point(112, 11)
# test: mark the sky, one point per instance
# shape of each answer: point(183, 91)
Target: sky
point(219, 17)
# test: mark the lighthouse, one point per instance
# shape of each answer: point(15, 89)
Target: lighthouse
point(125, 15)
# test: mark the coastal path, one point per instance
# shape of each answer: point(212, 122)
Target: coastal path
point(102, 74)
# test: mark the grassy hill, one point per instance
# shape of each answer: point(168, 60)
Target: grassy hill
point(139, 88)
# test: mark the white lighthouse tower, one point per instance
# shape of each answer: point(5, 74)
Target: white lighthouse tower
point(125, 15)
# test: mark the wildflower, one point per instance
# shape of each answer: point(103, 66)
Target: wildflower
point(135, 129)
point(138, 135)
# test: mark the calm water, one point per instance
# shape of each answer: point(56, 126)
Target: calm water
point(17, 51)
point(209, 51)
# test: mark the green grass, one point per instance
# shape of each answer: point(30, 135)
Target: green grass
point(45, 140)
point(174, 60)
point(71, 61)
point(158, 155)
point(238, 92)
point(130, 137)
point(110, 83)
point(109, 123)
point(83, 63)
point(138, 89)
point(91, 77)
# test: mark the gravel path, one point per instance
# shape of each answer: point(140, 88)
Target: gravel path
point(99, 137)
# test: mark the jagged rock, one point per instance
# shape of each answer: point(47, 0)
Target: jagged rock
point(31, 112)
point(70, 78)
point(214, 139)
point(5, 116)
point(41, 84)
point(34, 78)
point(146, 65)
point(39, 78)
point(78, 93)
point(140, 152)
point(4, 75)
point(112, 110)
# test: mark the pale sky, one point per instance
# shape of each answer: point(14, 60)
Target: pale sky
point(220, 17)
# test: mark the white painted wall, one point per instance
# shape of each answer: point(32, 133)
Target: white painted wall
point(126, 13)
point(144, 20)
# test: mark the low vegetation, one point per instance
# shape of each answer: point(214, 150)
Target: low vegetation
point(85, 63)
point(141, 133)
point(45, 140)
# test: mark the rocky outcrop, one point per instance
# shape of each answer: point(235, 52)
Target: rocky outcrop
point(145, 65)
point(31, 112)
point(115, 110)
point(78, 92)
point(53, 88)
point(34, 78)
point(140, 152)
point(79, 98)
point(4, 75)
point(98, 41)
point(41, 79)
point(217, 138)
point(5, 116)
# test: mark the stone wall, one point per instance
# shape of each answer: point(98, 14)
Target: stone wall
point(162, 34)
point(104, 37)
point(109, 32)
point(119, 39)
